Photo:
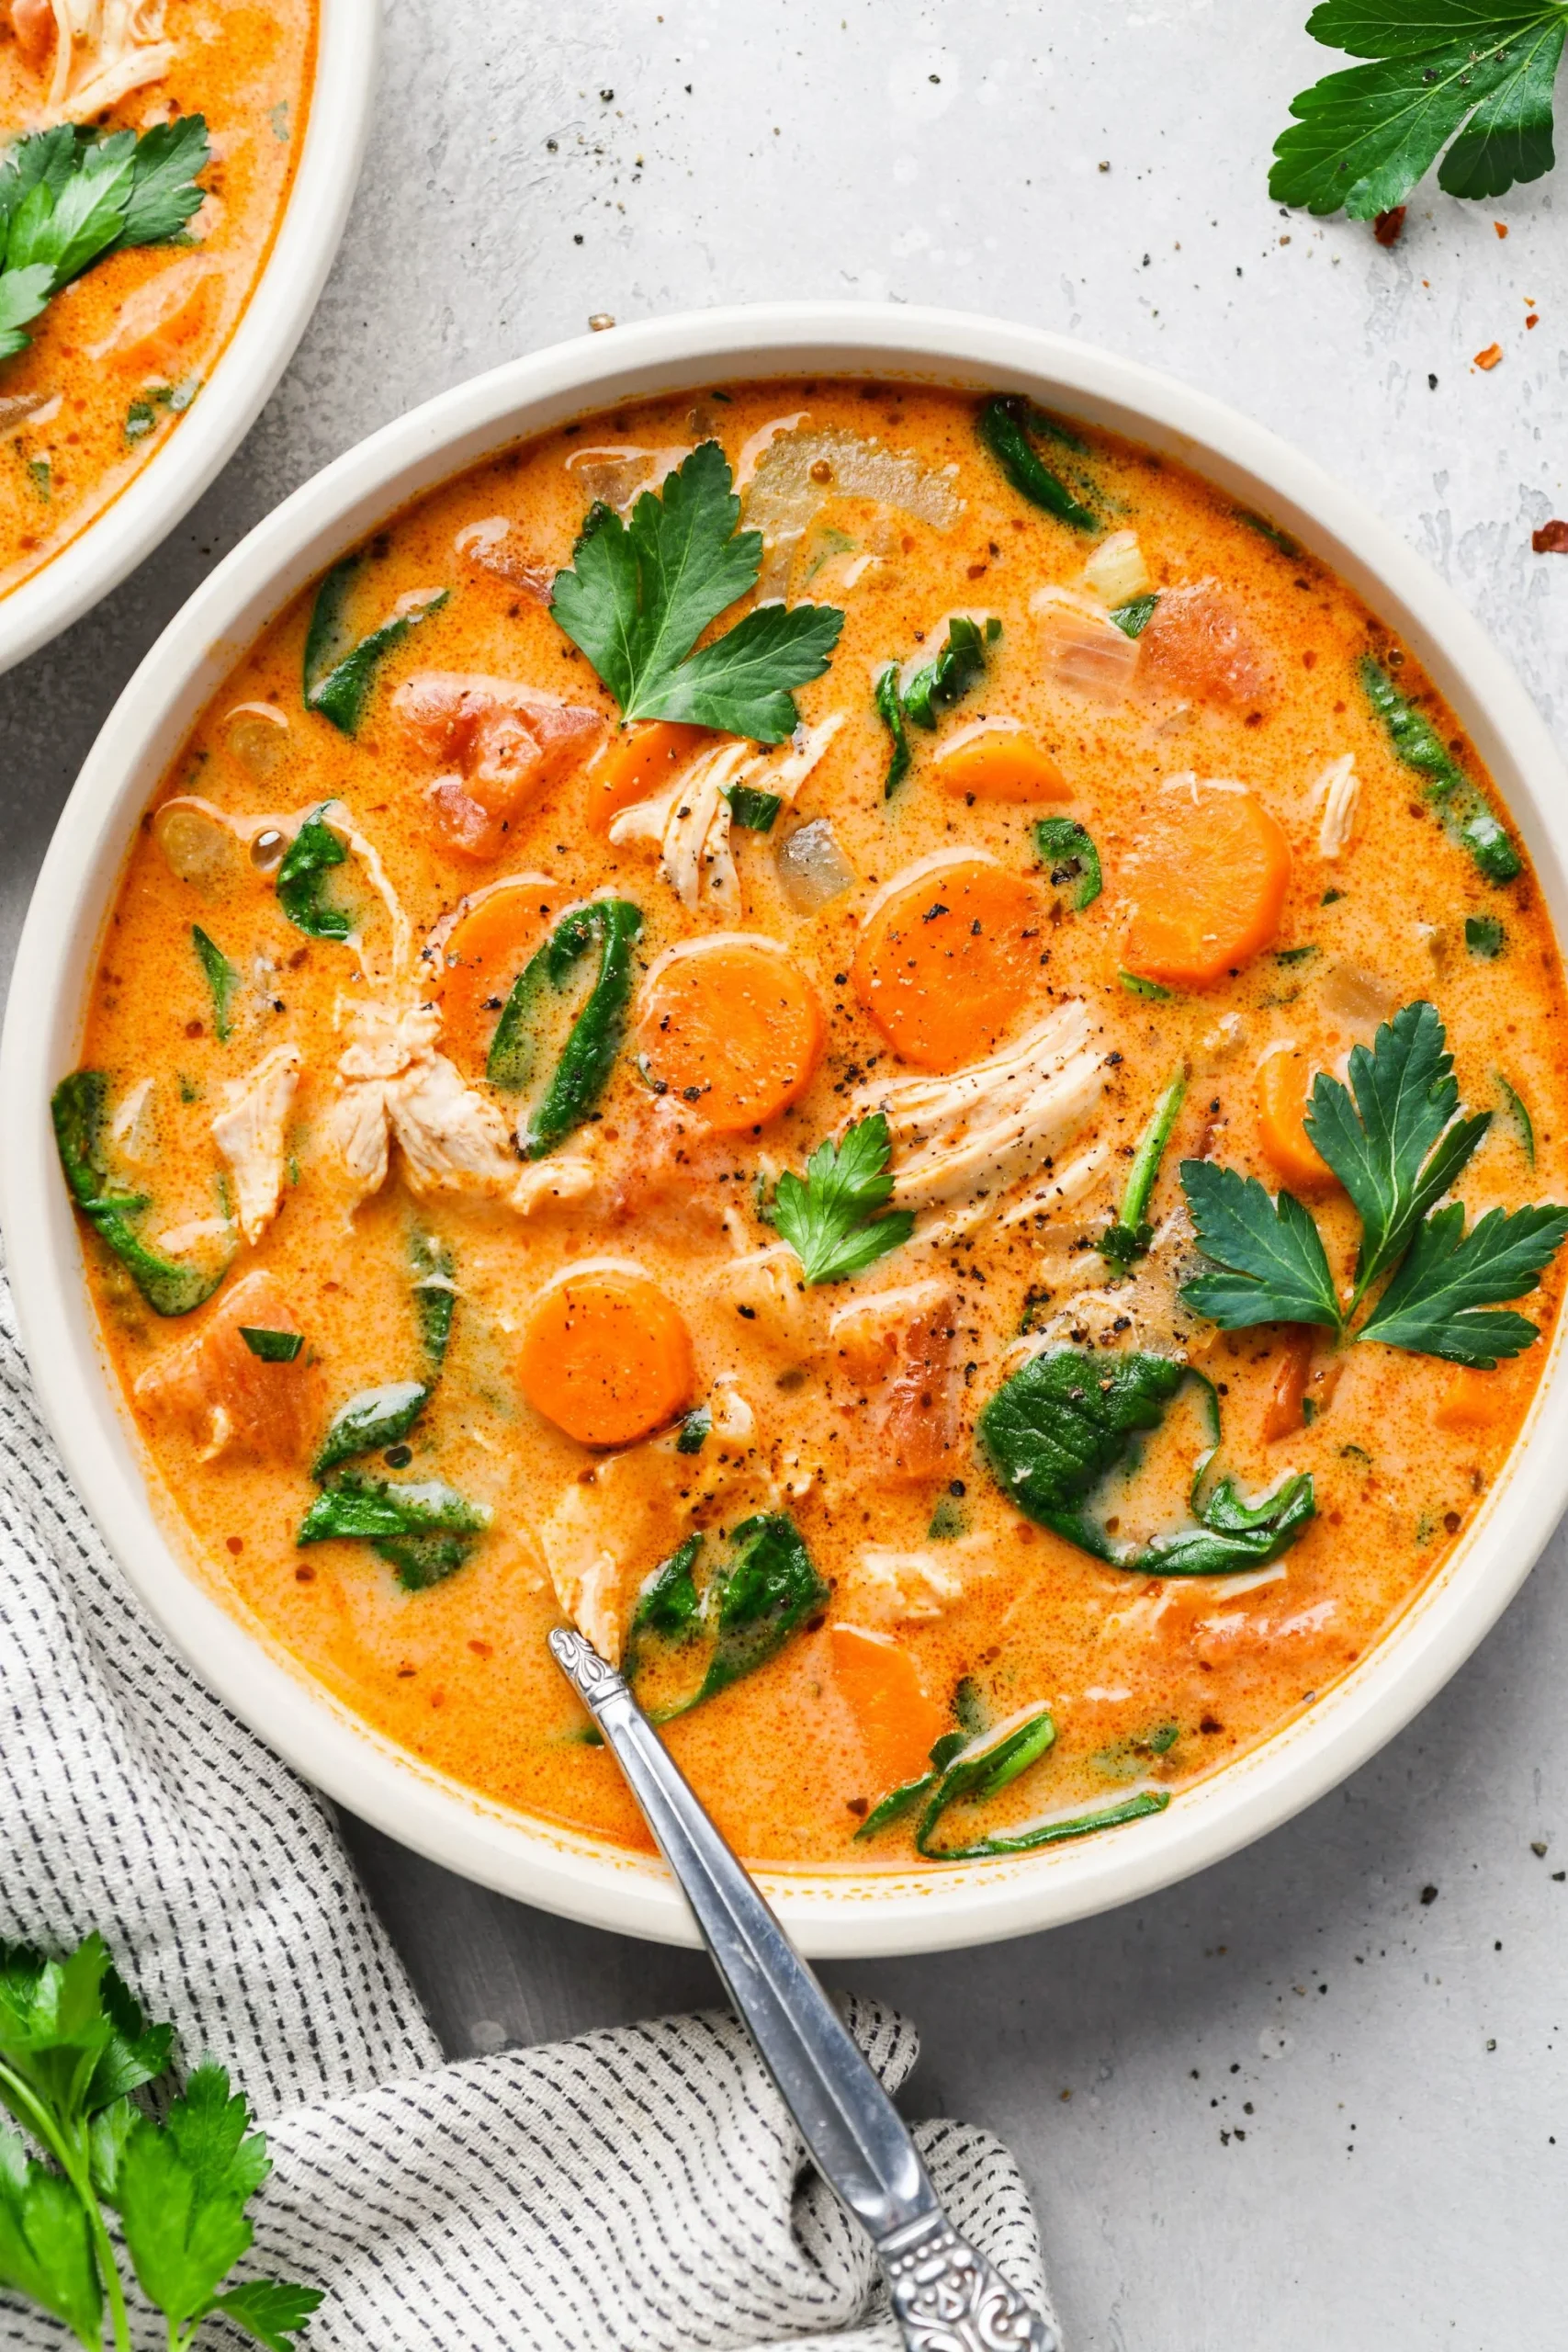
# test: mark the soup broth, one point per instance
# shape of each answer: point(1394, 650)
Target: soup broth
point(751, 1198)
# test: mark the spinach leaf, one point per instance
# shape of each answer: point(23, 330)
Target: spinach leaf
point(1062, 845)
point(968, 1769)
point(940, 683)
point(745, 1612)
point(1467, 815)
point(301, 879)
point(338, 675)
point(222, 978)
point(694, 1429)
point(1049, 1832)
point(890, 710)
point(614, 925)
point(1005, 425)
point(1133, 619)
point(1064, 1419)
point(756, 810)
point(422, 1527)
point(77, 1107)
point(1130, 1237)
point(434, 1294)
point(271, 1346)
point(1484, 936)
point(372, 1417)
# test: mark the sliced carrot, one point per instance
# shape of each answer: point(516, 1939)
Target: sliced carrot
point(1208, 884)
point(730, 1025)
point(948, 958)
point(1283, 1416)
point(1283, 1086)
point(606, 1356)
point(485, 950)
point(635, 765)
point(1473, 1400)
point(897, 1722)
point(992, 763)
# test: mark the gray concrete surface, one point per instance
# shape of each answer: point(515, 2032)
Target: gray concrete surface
point(1300, 2101)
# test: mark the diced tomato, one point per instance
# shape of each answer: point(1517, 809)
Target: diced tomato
point(231, 1399)
point(900, 1349)
point(1196, 644)
point(504, 740)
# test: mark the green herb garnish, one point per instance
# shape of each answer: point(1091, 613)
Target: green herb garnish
point(1133, 619)
point(1473, 77)
point(694, 1430)
point(938, 684)
point(1517, 1110)
point(1153, 991)
point(222, 978)
point(966, 1770)
point(1484, 936)
point(756, 810)
point(1466, 816)
point(272, 1346)
point(432, 1264)
point(77, 1106)
point(1005, 425)
point(371, 1418)
point(831, 1218)
point(338, 672)
point(75, 2055)
point(1281, 540)
point(639, 595)
point(1062, 845)
point(1395, 1141)
point(70, 197)
point(1130, 1237)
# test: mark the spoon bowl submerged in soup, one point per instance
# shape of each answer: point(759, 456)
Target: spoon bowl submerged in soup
point(867, 1042)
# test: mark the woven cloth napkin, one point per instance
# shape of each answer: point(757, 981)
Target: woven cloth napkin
point(640, 2188)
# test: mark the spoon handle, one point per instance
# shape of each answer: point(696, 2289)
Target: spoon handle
point(946, 2296)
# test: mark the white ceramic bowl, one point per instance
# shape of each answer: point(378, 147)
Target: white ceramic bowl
point(347, 53)
point(831, 1913)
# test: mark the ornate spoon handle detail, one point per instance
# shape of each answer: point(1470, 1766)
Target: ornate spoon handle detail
point(947, 2297)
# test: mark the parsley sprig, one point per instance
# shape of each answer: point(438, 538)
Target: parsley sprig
point(74, 2051)
point(1397, 1144)
point(1473, 77)
point(830, 1218)
point(639, 594)
point(69, 198)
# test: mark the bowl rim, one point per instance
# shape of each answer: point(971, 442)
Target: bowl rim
point(832, 1915)
point(348, 48)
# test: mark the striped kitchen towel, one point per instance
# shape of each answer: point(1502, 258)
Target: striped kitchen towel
point(638, 2188)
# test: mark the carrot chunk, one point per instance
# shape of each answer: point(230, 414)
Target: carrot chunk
point(1473, 1400)
point(635, 765)
point(230, 1400)
point(1282, 1087)
point(1283, 1416)
point(995, 763)
point(948, 958)
point(730, 1025)
point(607, 1356)
point(896, 1722)
point(485, 950)
point(1208, 884)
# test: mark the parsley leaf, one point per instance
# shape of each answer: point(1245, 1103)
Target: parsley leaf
point(1479, 76)
point(1393, 1147)
point(1431, 1306)
point(1267, 1262)
point(639, 595)
point(69, 197)
point(46, 2246)
point(829, 1219)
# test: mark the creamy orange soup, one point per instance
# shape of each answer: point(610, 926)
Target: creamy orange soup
point(121, 352)
point(550, 1295)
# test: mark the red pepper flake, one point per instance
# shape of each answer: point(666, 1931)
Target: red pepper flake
point(1533, 320)
point(1501, 227)
point(236, 1544)
point(1551, 539)
point(1389, 226)
point(1490, 357)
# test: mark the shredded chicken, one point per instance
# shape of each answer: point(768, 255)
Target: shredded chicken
point(764, 1287)
point(98, 51)
point(886, 1586)
point(1144, 1311)
point(1063, 1190)
point(967, 1137)
point(130, 1129)
point(617, 477)
point(1338, 794)
point(249, 1132)
point(689, 824)
point(394, 1086)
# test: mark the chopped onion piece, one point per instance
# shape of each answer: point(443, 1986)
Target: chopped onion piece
point(198, 847)
point(1116, 571)
point(1081, 646)
point(1356, 996)
point(257, 734)
point(812, 868)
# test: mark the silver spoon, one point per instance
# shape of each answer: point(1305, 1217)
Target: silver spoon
point(946, 2297)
